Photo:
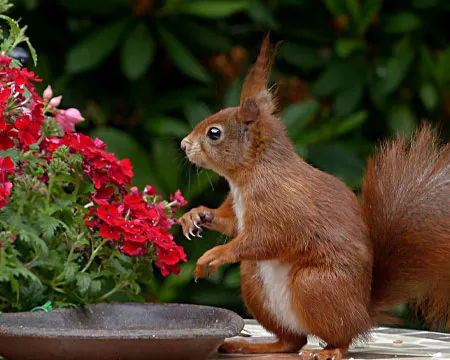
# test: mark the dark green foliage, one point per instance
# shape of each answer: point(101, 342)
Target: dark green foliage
point(144, 72)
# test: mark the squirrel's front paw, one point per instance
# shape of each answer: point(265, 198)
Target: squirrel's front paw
point(211, 260)
point(192, 221)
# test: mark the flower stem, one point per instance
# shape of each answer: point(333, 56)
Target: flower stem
point(109, 293)
point(49, 191)
point(17, 217)
point(93, 255)
point(2, 260)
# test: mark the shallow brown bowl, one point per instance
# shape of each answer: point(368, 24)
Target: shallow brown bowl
point(118, 331)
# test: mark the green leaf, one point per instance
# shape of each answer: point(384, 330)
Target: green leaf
point(354, 10)
point(95, 287)
point(336, 7)
point(401, 119)
point(297, 116)
point(304, 57)
point(207, 36)
point(261, 14)
point(166, 157)
point(70, 271)
point(83, 281)
point(124, 145)
point(196, 112)
point(370, 9)
point(429, 96)
point(348, 100)
point(336, 160)
point(427, 64)
point(95, 48)
point(233, 95)
point(167, 126)
point(137, 52)
point(338, 76)
point(394, 73)
point(346, 47)
point(12, 153)
point(442, 70)
point(402, 23)
point(214, 9)
point(334, 128)
point(32, 51)
point(424, 4)
point(48, 225)
point(182, 57)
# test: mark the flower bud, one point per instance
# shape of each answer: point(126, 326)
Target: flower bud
point(68, 118)
point(48, 93)
point(55, 101)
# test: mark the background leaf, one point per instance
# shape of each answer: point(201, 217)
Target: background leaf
point(182, 58)
point(137, 52)
point(93, 49)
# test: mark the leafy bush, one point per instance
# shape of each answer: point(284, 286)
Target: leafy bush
point(144, 72)
point(72, 229)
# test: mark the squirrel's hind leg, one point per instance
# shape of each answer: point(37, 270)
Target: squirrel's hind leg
point(287, 342)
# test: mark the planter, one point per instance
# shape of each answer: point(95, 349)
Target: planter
point(118, 331)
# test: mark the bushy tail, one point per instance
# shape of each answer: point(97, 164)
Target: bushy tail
point(406, 202)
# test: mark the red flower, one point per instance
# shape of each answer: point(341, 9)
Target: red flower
point(121, 172)
point(110, 214)
point(5, 191)
point(178, 197)
point(5, 60)
point(6, 137)
point(6, 167)
point(4, 95)
point(109, 232)
point(28, 132)
point(150, 190)
point(132, 248)
point(102, 195)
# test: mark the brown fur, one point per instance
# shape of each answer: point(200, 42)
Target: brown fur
point(312, 222)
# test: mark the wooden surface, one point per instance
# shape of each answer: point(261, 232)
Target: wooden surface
point(385, 343)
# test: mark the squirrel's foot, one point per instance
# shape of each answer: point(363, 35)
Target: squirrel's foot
point(246, 347)
point(326, 354)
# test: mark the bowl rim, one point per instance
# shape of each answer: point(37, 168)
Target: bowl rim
point(233, 328)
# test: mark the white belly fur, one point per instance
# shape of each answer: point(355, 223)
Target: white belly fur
point(274, 277)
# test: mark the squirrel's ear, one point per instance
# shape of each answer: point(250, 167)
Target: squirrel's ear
point(249, 111)
point(257, 79)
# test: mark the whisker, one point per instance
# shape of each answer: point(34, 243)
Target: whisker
point(210, 182)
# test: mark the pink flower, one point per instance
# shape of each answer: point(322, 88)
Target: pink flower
point(48, 93)
point(55, 101)
point(68, 118)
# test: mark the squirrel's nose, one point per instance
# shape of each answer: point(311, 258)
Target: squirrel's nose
point(183, 145)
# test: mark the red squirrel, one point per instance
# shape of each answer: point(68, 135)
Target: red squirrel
point(315, 259)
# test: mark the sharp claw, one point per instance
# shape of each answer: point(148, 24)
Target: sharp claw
point(191, 233)
point(198, 235)
point(186, 235)
point(196, 225)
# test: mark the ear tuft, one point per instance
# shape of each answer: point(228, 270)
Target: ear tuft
point(249, 111)
point(257, 78)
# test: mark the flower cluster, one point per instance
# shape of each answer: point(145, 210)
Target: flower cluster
point(136, 223)
point(21, 108)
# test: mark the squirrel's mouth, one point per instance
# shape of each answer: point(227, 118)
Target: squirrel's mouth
point(194, 157)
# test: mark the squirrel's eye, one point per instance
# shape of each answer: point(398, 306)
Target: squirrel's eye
point(214, 133)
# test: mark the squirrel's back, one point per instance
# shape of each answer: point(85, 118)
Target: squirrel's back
point(406, 203)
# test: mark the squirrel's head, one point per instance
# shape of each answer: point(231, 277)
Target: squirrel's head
point(233, 138)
